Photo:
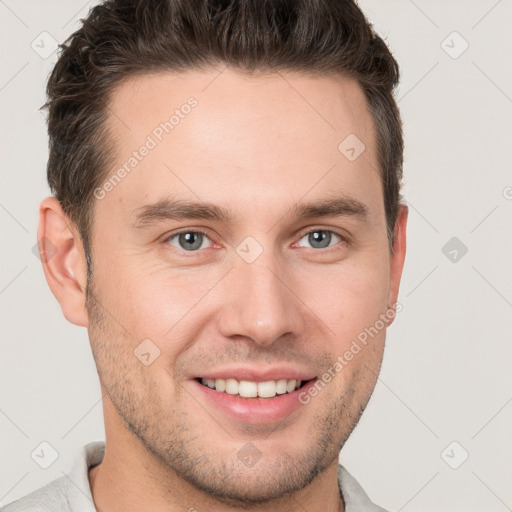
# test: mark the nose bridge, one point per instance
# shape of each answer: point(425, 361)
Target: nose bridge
point(260, 304)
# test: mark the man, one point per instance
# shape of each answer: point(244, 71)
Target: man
point(227, 224)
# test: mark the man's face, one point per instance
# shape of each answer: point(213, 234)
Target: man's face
point(263, 295)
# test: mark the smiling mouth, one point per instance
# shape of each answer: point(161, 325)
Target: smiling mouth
point(251, 389)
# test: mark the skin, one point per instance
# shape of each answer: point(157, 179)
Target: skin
point(255, 146)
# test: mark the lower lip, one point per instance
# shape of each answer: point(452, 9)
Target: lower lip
point(256, 411)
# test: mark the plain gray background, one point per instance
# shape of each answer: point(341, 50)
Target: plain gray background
point(447, 367)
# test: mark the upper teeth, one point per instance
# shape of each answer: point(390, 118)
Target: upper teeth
point(249, 389)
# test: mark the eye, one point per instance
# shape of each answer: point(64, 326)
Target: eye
point(189, 241)
point(321, 238)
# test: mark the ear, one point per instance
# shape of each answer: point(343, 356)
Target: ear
point(63, 259)
point(398, 256)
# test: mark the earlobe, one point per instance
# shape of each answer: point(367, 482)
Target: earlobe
point(63, 259)
point(398, 256)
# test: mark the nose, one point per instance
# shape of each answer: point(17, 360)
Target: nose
point(260, 302)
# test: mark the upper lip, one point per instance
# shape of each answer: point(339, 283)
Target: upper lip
point(254, 375)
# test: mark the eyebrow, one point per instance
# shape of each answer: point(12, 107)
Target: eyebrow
point(176, 209)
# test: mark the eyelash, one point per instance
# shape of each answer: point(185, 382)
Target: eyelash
point(343, 239)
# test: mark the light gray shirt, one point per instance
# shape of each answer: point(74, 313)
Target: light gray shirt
point(72, 493)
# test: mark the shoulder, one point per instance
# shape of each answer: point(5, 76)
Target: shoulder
point(51, 497)
point(71, 492)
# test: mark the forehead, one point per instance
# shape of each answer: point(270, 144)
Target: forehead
point(228, 136)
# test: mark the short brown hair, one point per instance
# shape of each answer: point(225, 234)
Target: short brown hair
point(122, 38)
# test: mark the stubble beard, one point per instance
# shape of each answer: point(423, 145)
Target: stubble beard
point(180, 450)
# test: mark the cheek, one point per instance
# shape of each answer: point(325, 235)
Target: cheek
point(157, 303)
point(351, 299)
